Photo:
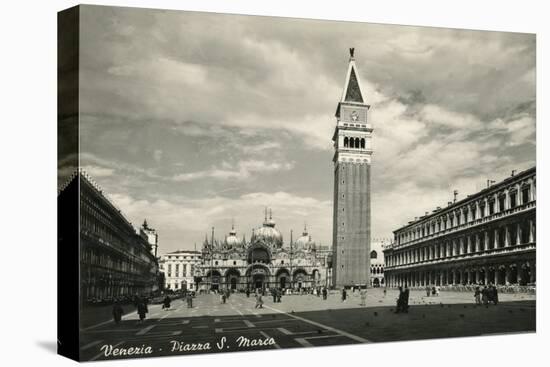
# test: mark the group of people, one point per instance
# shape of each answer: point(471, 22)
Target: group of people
point(489, 294)
point(224, 295)
point(434, 291)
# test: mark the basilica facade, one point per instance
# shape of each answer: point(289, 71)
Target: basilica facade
point(265, 261)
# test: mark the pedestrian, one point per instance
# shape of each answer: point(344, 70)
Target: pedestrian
point(344, 294)
point(399, 306)
point(247, 292)
point(222, 297)
point(274, 295)
point(325, 293)
point(279, 295)
point(485, 296)
point(433, 291)
point(385, 290)
point(406, 299)
point(427, 291)
point(189, 299)
point(495, 295)
point(477, 296)
point(166, 303)
point(117, 312)
point(259, 301)
point(142, 310)
point(437, 289)
point(363, 294)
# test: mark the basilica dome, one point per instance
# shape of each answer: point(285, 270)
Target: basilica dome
point(268, 234)
point(304, 243)
point(232, 241)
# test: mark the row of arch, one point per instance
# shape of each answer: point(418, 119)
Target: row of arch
point(358, 143)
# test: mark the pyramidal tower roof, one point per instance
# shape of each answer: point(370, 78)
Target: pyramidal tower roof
point(352, 87)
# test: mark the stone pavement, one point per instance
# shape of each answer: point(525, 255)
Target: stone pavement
point(304, 321)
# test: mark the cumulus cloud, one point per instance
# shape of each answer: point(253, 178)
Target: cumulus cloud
point(189, 126)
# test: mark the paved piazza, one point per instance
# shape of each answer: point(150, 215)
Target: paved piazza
point(307, 320)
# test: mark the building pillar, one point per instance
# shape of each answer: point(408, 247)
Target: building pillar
point(506, 236)
point(531, 231)
point(486, 242)
point(477, 242)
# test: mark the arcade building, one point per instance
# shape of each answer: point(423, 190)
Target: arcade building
point(487, 237)
point(264, 262)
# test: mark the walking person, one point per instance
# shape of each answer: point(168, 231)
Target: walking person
point(259, 301)
point(117, 312)
point(477, 296)
point(406, 299)
point(189, 299)
point(399, 306)
point(325, 293)
point(247, 292)
point(495, 295)
point(166, 303)
point(485, 296)
point(344, 294)
point(363, 294)
point(385, 290)
point(142, 310)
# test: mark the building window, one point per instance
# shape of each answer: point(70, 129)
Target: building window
point(501, 203)
point(234, 263)
point(525, 195)
point(513, 199)
point(215, 263)
point(346, 142)
point(373, 254)
point(491, 207)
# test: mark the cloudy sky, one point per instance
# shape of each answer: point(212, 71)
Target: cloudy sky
point(192, 119)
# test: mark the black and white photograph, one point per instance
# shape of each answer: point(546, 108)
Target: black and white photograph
point(232, 183)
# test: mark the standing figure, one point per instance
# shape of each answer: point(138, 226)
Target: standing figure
point(117, 312)
point(166, 303)
point(189, 299)
point(259, 301)
point(427, 291)
point(142, 310)
point(325, 293)
point(406, 299)
point(477, 296)
point(363, 294)
point(485, 296)
point(399, 306)
point(344, 294)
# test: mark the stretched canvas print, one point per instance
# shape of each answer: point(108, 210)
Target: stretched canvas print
point(236, 183)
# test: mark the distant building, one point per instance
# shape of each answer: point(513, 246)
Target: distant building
point(377, 261)
point(151, 236)
point(488, 237)
point(114, 260)
point(179, 268)
point(265, 261)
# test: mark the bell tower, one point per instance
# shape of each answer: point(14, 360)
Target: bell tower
point(352, 173)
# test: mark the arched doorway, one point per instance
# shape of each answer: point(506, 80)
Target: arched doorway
point(232, 277)
point(258, 277)
point(501, 275)
point(213, 278)
point(283, 278)
point(376, 283)
point(300, 278)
